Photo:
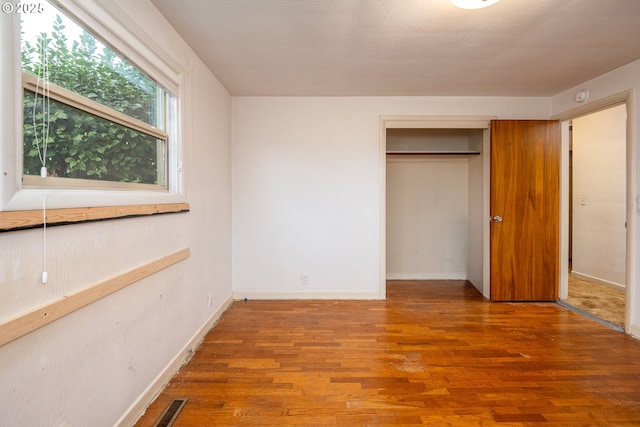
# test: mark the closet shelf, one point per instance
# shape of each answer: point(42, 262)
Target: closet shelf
point(432, 153)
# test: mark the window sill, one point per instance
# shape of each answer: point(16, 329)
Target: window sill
point(27, 219)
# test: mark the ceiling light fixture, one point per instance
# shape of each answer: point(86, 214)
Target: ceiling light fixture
point(473, 4)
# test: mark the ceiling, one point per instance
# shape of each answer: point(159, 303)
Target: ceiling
point(406, 47)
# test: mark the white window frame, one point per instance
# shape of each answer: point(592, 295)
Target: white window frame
point(13, 194)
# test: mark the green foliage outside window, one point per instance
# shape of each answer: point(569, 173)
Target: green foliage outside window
point(80, 144)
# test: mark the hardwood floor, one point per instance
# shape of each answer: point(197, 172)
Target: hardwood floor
point(434, 353)
point(605, 302)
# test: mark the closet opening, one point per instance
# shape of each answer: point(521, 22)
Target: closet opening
point(436, 201)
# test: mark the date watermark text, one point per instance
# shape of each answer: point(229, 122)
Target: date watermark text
point(22, 7)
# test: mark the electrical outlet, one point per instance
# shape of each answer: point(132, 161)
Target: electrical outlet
point(209, 300)
point(305, 278)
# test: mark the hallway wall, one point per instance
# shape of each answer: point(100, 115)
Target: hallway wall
point(599, 195)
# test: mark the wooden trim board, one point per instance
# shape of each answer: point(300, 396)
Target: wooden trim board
point(29, 322)
point(20, 220)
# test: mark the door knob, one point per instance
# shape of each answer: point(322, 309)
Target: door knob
point(497, 218)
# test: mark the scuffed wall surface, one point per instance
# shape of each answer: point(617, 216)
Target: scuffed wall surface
point(90, 366)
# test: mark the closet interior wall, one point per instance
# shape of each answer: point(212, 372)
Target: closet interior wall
point(434, 204)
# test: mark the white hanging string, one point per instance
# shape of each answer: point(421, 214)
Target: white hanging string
point(41, 139)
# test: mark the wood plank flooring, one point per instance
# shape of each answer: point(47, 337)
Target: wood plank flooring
point(603, 301)
point(434, 353)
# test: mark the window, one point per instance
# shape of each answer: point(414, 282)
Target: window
point(88, 113)
point(98, 108)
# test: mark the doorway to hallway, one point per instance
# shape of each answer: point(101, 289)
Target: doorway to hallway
point(597, 214)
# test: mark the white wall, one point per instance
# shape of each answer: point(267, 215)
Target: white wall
point(478, 233)
point(427, 217)
point(90, 367)
point(307, 190)
point(428, 204)
point(599, 195)
point(626, 81)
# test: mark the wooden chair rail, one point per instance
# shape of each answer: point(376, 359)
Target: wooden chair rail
point(21, 220)
point(29, 322)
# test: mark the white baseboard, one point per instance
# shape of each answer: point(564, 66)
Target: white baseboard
point(597, 280)
point(634, 331)
point(137, 409)
point(427, 276)
point(239, 296)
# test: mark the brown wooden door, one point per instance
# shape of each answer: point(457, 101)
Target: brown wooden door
point(525, 194)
